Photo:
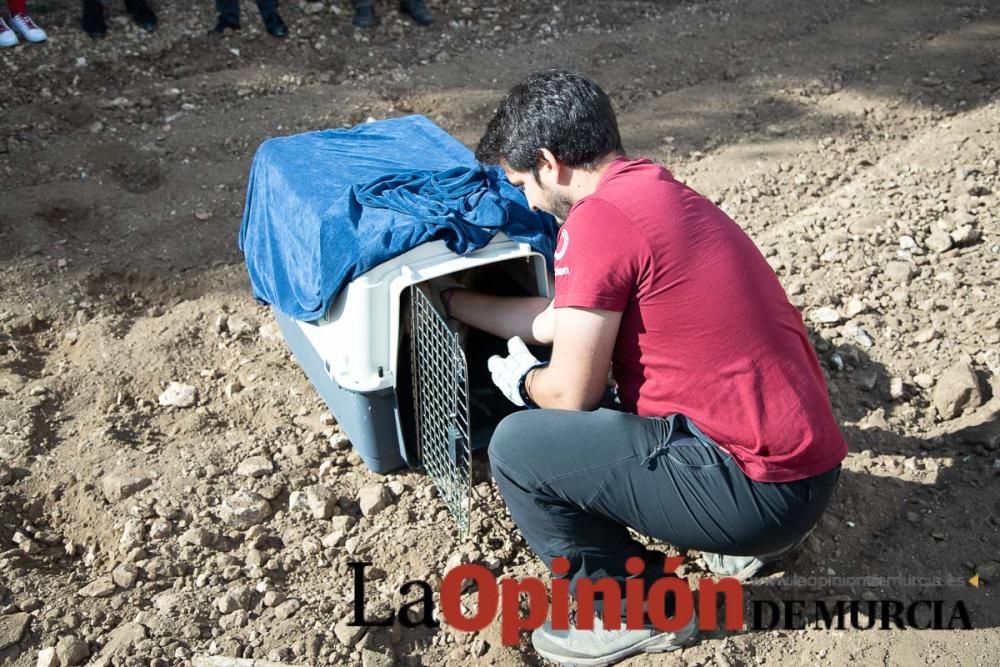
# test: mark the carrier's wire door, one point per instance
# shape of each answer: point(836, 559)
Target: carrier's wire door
point(441, 404)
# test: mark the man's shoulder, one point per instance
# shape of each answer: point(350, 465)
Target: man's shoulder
point(650, 197)
point(600, 219)
point(595, 206)
point(636, 186)
point(633, 197)
point(640, 172)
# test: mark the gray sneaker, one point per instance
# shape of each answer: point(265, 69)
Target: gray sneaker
point(745, 567)
point(741, 567)
point(600, 647)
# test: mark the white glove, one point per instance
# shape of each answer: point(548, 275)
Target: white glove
point(508, 371)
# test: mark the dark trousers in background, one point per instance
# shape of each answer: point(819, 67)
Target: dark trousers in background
point(575, 481)
point(229, 10)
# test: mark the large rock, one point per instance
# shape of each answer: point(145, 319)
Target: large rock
point(170, 603)
point(348, 635)
point(223, 661)
point(71, 651)
point(119, 643)
point(370, 658)
point(899, 272)
point(133, 535)
point(373, 498)
point(235, 620)
point(101, 587)
point(125, 575)
point(255, 466)
point(286, 609)
point(27, 545)
point(47, 658)
point(197, 536)
point(343, 522)
point(965, 235)
point(824, 315)
point(244, 509)
point(12, 627)
point(160, 529)
point(240, 327)
point(339, 527)
point(118, 486)
point(320, 500)
point(957, 390)
point(939, 241)
point(179, 395)
point(236, 598)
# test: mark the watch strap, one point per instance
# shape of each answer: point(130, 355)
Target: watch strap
point(522, 390)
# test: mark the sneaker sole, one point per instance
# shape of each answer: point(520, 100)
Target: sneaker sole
point(753, 566)
point(750, 571)
point(661, 643)
point(759, 563)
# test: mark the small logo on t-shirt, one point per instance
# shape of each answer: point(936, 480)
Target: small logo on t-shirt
point(563, 244)
point(562, 271)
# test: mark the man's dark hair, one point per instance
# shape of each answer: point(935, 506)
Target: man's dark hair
point(562, 111)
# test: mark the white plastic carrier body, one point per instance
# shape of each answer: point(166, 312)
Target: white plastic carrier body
point(358, 337)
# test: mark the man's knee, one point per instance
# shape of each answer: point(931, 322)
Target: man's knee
point(511, 440)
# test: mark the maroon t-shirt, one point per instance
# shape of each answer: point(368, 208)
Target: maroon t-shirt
point(706, 327)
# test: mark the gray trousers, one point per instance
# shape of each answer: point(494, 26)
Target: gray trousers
point(574, 482)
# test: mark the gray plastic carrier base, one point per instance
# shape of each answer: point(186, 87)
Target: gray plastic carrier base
point(370, 420)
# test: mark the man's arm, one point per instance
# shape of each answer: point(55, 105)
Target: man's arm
point(531, 318)
point(577, 375)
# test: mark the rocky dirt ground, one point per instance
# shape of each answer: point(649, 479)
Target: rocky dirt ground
point(856, 141)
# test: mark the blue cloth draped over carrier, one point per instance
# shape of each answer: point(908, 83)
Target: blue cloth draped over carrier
point(322, 208)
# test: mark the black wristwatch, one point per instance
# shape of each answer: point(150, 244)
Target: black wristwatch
point(523, 390)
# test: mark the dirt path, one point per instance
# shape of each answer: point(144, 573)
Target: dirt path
point(856, 141)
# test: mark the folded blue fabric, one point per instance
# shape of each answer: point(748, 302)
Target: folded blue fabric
point(324, 207)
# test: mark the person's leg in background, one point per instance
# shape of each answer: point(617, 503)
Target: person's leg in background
point(93, 18)
point(417, 10)
point(364, 13)
point(142, 14)
point(23, 24)
point(7, 36)
point(272, 21)
point(229, 16)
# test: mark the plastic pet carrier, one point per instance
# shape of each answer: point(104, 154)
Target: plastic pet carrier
point(408, 387)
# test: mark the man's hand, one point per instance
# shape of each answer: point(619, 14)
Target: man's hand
point(441, 290)
point(508, 371)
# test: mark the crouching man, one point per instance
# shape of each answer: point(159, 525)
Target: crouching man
point(725, 440)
